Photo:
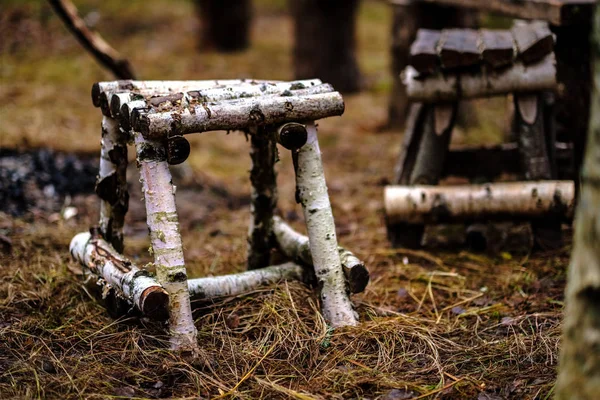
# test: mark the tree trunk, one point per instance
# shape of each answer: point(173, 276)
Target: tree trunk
point(325, 42)
point(579, 370)
point(225, 24)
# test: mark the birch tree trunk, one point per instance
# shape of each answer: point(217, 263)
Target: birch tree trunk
point(225, 24)
point(163, 224)
point(325, 42)
point(579, 369)
point(111, 186)
point(263, 198)
point(312, 194)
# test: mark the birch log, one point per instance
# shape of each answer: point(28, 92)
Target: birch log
point(111, 185)
point(239, 114)
point(126, 111)
point(216, 93)
point(579, 365)
point(433, 204)
point(263, 199)
point(132, 283)
point(165, 239)
point(297, 247)
point(449, 87)
point(236, 284)
point(312, 193)
point(158, 87)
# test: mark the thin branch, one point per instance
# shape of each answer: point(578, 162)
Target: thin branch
point(92, 41)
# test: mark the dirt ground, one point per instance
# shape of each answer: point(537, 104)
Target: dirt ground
point(437, 323)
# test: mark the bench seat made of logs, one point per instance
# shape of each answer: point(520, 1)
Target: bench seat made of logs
point(464, 63)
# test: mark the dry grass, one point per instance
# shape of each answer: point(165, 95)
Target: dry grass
point(437, 324)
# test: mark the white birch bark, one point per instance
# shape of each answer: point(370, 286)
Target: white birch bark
point(452, 86)
point(239, 114)
point(296, 246)
point(426, 204)
point(111, 185)
point(161, 215)
point(116, 99)
point(159, 87)
point(312, 193)
point(134, 284)
point(235, 284)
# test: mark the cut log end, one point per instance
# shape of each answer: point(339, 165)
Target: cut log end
point(154, 303)
point(292, 135)
point(357, 276)
point(96, 94)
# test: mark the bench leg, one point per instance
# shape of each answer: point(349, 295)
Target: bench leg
point(111, 186)
point(421, 160)
point(263, 199)
point(533, 137)
point(311, 192)
point(165, 239)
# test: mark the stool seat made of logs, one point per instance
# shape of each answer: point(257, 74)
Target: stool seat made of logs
point(155, 116)
point(454, 64)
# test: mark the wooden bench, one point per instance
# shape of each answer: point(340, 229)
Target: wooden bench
point(569, 20)
point(454, 64)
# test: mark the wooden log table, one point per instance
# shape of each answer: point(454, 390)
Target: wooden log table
point(569, 20)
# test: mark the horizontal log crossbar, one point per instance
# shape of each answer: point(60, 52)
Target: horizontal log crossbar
point(142, 291)
point(445, 87)
point(495, 201)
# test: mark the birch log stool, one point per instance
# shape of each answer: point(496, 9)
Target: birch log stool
point(154, 116)
point(454, 64)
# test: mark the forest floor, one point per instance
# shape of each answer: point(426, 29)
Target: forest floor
point(441, 322)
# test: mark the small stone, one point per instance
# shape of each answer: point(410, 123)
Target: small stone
point(458, 310)
point(48, 367)
point(398, 394)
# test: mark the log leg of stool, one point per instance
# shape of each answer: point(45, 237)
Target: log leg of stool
point(533, 137)
point(421, 160)
point(311, 192)
point(111, 186)
point(165, 239)
point(263, 199)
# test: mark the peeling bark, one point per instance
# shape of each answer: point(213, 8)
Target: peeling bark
point(239, 114)
point(111, 185)
point(231, 285)
point(133, 284)
point(437, 204)
point(449, 87)
point(263, 199)
point(163, 224)
point(158, 87)
point(297, 247)
point(312, 194)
